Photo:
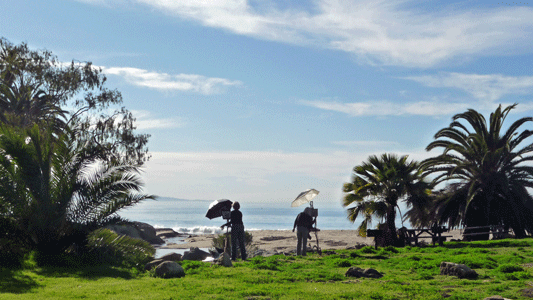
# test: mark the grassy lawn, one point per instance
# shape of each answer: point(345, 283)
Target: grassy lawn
point(505, 268)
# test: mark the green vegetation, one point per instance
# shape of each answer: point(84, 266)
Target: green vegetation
point(377, 187)
point(63, 174)
point(409, 273)
point(488, 169)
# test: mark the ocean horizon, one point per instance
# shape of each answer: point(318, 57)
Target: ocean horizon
point(188, 216)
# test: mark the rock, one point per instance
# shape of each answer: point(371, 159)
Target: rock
point(166, 233)
point(152, 264)
point(148, 233)
point(224, 260)
point(138, 230)
point(195, 254)
point(169, 269)
point(171, 257)
point(459, 270)
point(358, 273)
point(496, 297)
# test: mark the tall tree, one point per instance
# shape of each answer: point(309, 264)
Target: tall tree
point(488, 171)
point(35, 86)
point(52, 193)
point(378, 185)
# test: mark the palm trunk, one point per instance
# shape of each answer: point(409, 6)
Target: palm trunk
point(390, 233)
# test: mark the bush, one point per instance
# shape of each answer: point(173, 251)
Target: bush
point(508, 268)
point(218, 241)
point(368, 250)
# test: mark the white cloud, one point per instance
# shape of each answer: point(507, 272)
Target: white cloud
point(372, 144)
point(487, 88)
point(255, 176)
point(167, 82)
point(388, 108)
point(392, 32)
point(145, 120)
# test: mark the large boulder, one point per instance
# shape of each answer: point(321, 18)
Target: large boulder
point(171, 257)
point(138, 230)
point(358, 273)
point(195, 254)
point(169, 269)
point(152, 264)
point(459, 270)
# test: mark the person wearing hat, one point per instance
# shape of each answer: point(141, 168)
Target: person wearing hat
point(303, 223)
point(237, 231)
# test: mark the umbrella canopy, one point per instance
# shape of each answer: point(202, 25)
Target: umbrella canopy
point(216, 207)
point(304, 197)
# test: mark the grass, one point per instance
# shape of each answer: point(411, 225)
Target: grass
point(505, 268)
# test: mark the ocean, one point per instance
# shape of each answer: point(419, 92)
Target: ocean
point(188, 216)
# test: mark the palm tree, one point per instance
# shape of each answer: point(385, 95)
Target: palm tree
point(487, 172)
point(53, 194)
point(377, 187)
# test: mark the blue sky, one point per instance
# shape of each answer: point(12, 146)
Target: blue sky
point(257, 101)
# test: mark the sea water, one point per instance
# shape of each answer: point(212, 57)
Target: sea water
point(188, 216)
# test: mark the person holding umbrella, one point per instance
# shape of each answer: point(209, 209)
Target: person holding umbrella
point(304, 222)
point(237, 231)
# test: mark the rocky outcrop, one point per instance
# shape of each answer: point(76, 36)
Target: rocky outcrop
point(166, 233)
point(459, 270)
point(358, 273)
point(195, 254)
point(138, 230)
point(169, 269)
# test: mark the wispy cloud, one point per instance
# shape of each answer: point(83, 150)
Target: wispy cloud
point(486, 88)
point(145, 120)
point(388, 108)
point(366, 144)
point(168, 82)
point(391, 32)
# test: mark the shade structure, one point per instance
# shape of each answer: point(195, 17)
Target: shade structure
point(304, 197)
point(216, 207)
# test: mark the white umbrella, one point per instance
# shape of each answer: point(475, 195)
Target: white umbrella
point(304, 197)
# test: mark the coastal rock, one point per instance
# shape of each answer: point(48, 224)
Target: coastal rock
point(358, 273)
point(169, 269)
point(166, 233)
point(138, 230)
point(195, 254)
point(152, 264)
point(171, 257)
point(224, 260)
point(459, 270)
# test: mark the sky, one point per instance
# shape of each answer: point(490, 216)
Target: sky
point(257, 101)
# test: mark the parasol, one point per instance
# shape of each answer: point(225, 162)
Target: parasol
point(216, 207)
point(304, 197)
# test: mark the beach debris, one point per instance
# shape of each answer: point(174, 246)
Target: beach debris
point(195, 254)
point(358, 273)
point(459, 270)
point(169, 269)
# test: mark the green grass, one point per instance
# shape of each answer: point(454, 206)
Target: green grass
point(504, 268)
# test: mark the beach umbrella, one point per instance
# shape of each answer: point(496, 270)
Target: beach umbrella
point(216, 207)
point(304, 197)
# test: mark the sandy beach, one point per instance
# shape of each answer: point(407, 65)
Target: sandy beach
point(285, 240)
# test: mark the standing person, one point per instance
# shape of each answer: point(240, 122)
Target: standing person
point(304, 222)
point(237, 231)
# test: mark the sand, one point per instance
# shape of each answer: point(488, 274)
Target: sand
point(285, 240)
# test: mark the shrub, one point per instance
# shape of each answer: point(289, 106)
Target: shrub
point(368, 250)
point(508, 268)
point(218, 241)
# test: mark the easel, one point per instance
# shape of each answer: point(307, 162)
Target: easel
point(314, 214)
point(226, 216)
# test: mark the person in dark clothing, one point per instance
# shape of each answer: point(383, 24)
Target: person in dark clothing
point(237, 232)
point(303, 223)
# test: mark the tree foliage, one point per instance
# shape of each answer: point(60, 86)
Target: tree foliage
point(487, 170)
point(377, 187)
point(35, 86)
point(52, 194)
